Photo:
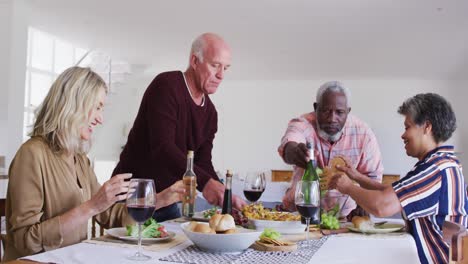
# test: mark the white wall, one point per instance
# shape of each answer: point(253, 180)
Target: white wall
point(458, 96)
point(17, 73)
point(253, 116)
point(5, 31)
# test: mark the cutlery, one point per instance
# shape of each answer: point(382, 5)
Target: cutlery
point(380, 223)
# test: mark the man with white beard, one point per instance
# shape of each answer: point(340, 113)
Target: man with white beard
point(332, 131)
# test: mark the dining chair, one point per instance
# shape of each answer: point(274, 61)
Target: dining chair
point(2, 215)
point(390, 178)
point(457, 237)
point(94, 225)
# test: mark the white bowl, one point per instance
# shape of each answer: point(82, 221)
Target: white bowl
point(236, 242)
point(284, 227)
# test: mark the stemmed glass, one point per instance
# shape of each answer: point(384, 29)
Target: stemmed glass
point(254, 186)
point(307, 200)
point(141, 203)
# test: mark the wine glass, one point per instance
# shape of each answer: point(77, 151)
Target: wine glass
point(141, 203)
point(254, 186)
point(307, 200)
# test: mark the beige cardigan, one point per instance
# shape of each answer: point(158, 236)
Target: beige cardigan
point(42, 187)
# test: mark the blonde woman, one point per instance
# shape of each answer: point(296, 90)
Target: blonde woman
point(53, 191)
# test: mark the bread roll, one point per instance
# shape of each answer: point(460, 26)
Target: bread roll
point(221, 223)
point(191, 226)
point(203, 228)
point(331, 170)
point(229, 231)
point(362, 223)
point(337, 160)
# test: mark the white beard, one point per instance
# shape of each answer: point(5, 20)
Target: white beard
point(326, 136)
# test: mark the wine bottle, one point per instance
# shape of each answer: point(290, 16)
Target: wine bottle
point(190, 184)
point(310, 174)
point(227, 203)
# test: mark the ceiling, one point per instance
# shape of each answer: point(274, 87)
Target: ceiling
point(274, 39)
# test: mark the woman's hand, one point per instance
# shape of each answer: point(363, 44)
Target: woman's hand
point(350, 171)
point(340, 182)
point(110, 192)
point(170, 195)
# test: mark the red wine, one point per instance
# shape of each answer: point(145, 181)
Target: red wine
point(253, 195)
point(140, 213)
point(310, 211)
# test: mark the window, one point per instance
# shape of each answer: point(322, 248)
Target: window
point(48, 56)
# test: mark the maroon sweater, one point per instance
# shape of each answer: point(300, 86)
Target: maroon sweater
point(168, 124)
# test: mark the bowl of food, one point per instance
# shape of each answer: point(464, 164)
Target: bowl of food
point(220, 235)
point(332, 205)
point(260, 218)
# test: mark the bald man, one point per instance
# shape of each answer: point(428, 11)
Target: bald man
point(177, 115)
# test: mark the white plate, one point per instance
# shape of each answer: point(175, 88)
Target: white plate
point(236, 242)
point(198, 216)
point(284, 227)
point(121, 233)
point(381, 229)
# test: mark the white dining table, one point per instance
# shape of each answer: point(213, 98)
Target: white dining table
point(341, 248)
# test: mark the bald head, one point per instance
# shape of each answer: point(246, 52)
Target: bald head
point(210, 58)
point(207, 42)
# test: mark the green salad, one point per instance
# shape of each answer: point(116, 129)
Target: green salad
point(150, 229)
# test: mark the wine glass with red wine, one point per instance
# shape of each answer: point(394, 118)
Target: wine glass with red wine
point(254, 186)
point(141, 203)
point(307, 200)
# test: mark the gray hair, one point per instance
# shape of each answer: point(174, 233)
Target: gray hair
point(333, 86)
point(434, 109)
point(198, 47)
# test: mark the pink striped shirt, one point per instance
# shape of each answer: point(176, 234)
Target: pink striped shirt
point(358, 143)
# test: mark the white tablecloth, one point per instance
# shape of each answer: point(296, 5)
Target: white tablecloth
point(343, 248)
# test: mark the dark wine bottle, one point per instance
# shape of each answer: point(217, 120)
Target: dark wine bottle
point(227, 203)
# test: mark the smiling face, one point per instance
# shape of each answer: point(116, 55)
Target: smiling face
point(210, 72)
point(95, 116)
point(418, 139)
point(332, 113)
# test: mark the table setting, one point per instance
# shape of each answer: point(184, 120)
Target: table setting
point(254, 235)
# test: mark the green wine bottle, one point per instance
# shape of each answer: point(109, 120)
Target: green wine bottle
point(310, 174)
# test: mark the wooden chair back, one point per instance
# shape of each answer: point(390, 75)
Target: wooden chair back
point(94, 226)
point(2, 236)
point(390, 178)
point(457, 237)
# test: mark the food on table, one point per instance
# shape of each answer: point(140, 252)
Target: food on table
point(258, 212)
point(330, 171)
point(191, 226)
point(363, 223)
point(240, 218)
point(210, 212)
point(150, 229)
point(270, 233)
point(270, 241)
point(219, 224)
point(203, 228)
point(329, 221)
point(223, 223)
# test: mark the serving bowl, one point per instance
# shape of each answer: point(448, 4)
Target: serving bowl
point(284, 227)
point(236, 242)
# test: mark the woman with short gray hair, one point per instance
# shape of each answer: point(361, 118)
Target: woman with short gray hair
point(432, 192)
